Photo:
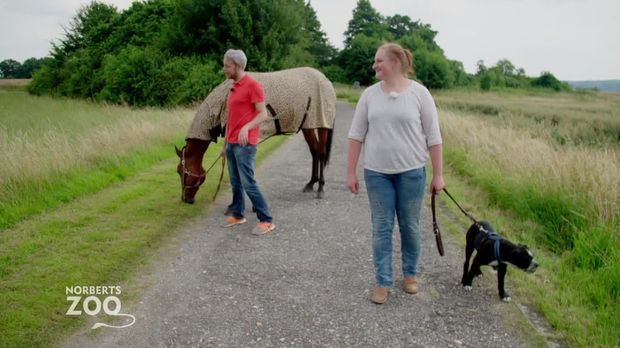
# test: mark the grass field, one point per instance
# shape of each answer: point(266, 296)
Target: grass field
point(78, 204)
point(545, 168)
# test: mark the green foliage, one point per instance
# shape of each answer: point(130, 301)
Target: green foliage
point(201, 77)
point(335, 73)
point(358, 58)
point(547, 80)
point(153, 52)
point(400, 26)
point(12, 69)
point(315, 40)
point(9, 68)
point(366, 21)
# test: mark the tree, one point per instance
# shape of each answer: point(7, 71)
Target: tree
point(29, 66)
point(9, 68)
point(366, 20)
point(401, 26)
point(318, 45)
point(357, 59)
point(90, 27)
point(547, 80)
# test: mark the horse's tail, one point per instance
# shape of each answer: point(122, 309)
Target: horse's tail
point(328, 145)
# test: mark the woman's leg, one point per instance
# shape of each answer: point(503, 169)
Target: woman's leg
point(410, 188)
point(382, 198)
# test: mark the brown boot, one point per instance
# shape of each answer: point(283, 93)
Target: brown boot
point(410, 284)
point(379, 295)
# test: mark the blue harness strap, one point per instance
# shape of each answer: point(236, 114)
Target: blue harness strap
point(496, 238)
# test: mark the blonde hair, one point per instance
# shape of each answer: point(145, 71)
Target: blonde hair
point(397, 52)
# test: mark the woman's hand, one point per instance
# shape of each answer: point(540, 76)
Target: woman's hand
point(354, 185)
point(437, 184)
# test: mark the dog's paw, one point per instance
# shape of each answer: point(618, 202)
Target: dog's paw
point(506, 299)
point(467, 287)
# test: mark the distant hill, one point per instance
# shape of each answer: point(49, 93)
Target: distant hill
point(601, 85)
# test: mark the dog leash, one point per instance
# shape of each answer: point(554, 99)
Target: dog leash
point(436, 226)
point(436, 230)
point(461, 208)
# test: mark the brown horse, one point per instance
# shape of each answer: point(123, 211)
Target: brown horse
point(297, 99)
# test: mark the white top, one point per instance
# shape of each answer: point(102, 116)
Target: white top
point(396, 128)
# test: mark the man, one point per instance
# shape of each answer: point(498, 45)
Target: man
point(246, 110)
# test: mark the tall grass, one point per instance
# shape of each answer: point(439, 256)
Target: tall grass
point(96, 194)
point(571, 193)
point(570, 118)
point(55, 150)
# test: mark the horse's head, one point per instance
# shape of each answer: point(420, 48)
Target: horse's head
point(206, 127)
point(190, 169)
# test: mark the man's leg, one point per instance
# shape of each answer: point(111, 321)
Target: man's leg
point(237, 207)
point(246, 156)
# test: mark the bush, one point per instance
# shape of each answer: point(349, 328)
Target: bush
point(131, 75)
point(200, 79)
point(335, 73)
point(547, 80)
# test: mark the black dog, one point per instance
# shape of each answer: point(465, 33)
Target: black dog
point(493, 250)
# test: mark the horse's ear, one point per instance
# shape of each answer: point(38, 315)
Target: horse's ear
point(178, 151)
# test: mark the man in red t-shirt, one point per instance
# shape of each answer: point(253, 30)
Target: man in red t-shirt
point(246, 110)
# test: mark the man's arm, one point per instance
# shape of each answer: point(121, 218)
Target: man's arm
point(260, 117)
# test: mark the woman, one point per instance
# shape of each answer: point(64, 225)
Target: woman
point(397, 122)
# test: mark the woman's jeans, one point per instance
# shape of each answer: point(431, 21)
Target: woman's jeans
point(241, 174)
point(401, 196)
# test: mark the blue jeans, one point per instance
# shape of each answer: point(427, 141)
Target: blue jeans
point(241, 173)
point(401, 196)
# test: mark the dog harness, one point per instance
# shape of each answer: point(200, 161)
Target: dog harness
point(490, 235)
point(496, 238)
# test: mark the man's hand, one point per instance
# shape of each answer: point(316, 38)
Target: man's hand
point(243, 135)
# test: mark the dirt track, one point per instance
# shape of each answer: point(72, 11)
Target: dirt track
point(309, 282)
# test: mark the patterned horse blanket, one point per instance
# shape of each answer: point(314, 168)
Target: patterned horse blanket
point(290, 93)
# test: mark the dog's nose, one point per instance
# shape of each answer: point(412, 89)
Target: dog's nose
point(533, 267)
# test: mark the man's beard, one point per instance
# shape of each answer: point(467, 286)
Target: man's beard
point(234, 76)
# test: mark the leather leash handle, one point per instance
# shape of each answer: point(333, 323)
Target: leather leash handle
point(436, 226)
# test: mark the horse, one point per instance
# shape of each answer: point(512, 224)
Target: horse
point(296, 99)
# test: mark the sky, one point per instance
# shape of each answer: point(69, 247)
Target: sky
point(573, 39)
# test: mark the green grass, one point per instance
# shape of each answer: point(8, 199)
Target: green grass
point(94, 221)
point(97, 239)
point(54, 150)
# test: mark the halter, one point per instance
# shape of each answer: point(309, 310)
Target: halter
point(201, 177)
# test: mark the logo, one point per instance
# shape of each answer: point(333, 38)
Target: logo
point(88, 300)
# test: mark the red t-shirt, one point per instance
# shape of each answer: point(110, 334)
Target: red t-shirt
point(241, 109)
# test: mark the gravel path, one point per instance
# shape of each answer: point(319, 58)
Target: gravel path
point(308, 284)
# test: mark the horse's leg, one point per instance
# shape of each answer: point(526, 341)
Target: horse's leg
point(322, 155)
point(312, 145)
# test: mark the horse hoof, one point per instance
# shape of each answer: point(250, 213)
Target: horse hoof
point(320, 195)
point(308, 189)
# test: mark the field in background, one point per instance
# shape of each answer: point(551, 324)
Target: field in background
point(548, 165)
point(4, 83)
point(88, 195)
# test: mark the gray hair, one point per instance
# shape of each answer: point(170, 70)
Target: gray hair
point(236, 56)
